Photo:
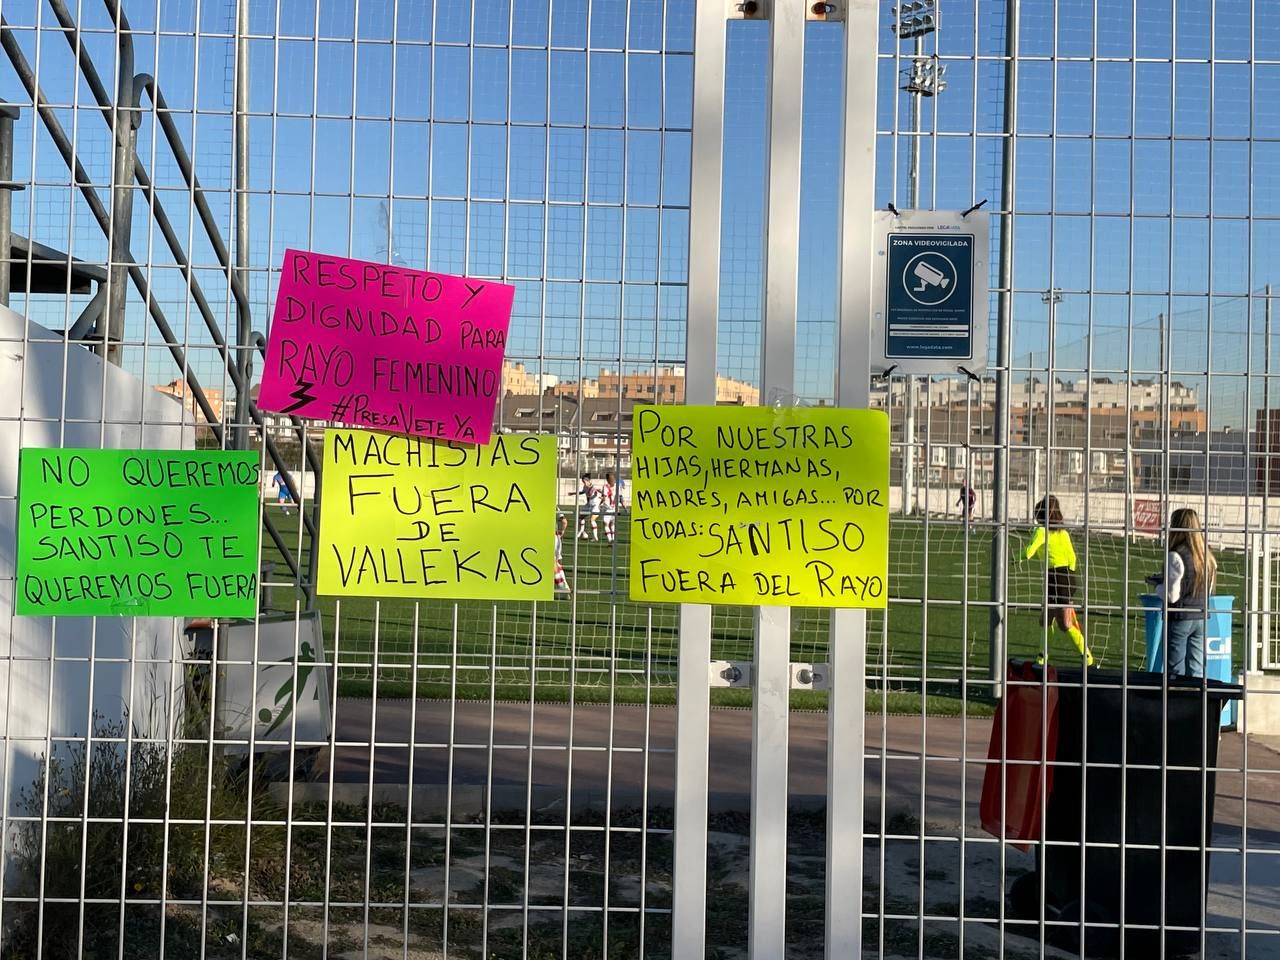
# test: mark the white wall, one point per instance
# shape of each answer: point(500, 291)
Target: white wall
point(1226, 518)
point(55, 394)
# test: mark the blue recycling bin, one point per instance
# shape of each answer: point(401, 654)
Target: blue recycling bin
point(1217, 642)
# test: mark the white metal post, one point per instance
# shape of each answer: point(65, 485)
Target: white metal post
point(846, 708)
point(1265, 604)
point(771, 699)
point(244, 320)
point(693, 708)
point(998, 638)
point(1254, 547)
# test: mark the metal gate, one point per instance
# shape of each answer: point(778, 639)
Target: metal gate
point(681, 193)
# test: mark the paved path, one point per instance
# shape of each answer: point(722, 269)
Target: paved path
point(917, 769)
point(512, 745)
point(618, 766)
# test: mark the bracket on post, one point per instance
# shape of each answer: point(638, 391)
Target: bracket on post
point(810, 676)
point(729, 673)
point(825, 11)
point(749, 9)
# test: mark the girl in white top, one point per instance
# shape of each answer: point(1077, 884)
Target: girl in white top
point(1190, 573)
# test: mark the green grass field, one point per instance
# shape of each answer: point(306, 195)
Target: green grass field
point(599, 644)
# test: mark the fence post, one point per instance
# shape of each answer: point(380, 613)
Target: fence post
point(771, 697)
point(1004, 340)
point(244, 322)
point(693, 705)
point(847, 641)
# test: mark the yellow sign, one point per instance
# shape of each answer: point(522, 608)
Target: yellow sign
point(760, 506)
point(410, 517)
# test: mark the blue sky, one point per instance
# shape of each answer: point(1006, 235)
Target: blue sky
point(1145, 187)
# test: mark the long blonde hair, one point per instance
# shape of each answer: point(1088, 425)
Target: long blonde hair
point(1184, 531)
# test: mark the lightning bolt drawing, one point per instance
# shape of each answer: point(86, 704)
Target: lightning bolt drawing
point(302, 395)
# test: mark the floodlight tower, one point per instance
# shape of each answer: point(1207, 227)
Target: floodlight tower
point(914, 20)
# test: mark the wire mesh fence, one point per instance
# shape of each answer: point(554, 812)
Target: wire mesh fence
point(497, 780)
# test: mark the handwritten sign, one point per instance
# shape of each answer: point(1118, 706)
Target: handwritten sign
point(408, 517)
point(760, 506)
point(138, 532)
point(386, 347)
point(1147, 516)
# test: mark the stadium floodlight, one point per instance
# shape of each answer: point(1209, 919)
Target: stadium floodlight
point(914, 18)
point(925, 78)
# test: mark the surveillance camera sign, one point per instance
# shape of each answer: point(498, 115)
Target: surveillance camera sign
point(931, 293)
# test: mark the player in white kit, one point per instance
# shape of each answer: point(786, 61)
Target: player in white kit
point(590, 507)
point(562, 582)
point(609, 503)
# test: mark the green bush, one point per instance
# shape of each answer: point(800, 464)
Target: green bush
point(109, 781)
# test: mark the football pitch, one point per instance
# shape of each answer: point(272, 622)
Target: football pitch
point(598, 645)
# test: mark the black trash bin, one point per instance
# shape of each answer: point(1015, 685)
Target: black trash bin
point(1194, 710)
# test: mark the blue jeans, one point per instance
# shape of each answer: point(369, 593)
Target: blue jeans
point(1184, 647)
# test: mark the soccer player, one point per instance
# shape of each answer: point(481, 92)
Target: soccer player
point(562, 582)
point(590, 507)
point(1061, 561)
point(968, 498)
point(609, 503)
point(282, 491)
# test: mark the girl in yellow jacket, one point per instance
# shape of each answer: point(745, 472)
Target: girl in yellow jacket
point(1060, 599)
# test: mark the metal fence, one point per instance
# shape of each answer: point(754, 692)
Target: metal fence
point(680, 193)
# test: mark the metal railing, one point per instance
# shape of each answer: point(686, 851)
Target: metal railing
point(104, 325)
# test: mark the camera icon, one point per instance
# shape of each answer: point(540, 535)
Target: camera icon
point(929, 278)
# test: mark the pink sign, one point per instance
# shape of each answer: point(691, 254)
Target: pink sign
point(1146, 515)
point(385, 347)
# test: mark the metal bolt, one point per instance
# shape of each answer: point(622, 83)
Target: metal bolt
point(805, 676)
point(731, 674)
point(748, 8)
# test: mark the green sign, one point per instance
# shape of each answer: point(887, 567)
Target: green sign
point(138, 533)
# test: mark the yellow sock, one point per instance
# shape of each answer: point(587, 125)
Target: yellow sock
point(1078, 639)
